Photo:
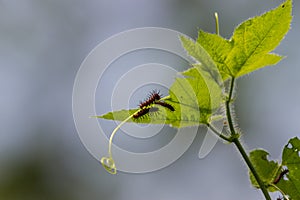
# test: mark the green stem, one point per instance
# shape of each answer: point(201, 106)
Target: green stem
point(215, 131)
point(228, 113)
point(238, 144)
point(251, 167)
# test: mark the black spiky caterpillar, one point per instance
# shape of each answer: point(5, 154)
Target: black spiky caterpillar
point(166, 105)
point(154, 98)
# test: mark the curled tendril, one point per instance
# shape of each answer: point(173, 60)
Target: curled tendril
point(108, 162)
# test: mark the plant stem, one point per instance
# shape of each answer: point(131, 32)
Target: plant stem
point(215, 131)
point(251, 167)
point(238, 144)
point(228, 113)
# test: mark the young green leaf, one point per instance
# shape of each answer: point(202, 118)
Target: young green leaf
point(252, 41)
point(266, 169)
point(291, 160)
point(204, 62)
point(269, 171)
point(198, 91)
point(218, 48)
point(162, 116)
point(195, 97)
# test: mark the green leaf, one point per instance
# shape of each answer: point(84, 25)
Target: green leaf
point(252, 41)
point(195, 96)
point(204, 62)
point(267, 170)
point(291, 160)
point(218, 48)
point(196, 92)
point(163, 116)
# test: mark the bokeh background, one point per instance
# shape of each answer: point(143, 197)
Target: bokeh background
point(42, 44)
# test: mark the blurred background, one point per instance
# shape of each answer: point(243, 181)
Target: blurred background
point(42, 46)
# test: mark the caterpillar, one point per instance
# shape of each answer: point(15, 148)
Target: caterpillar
point(154, 96)
point(280, 176)
point(166, 105)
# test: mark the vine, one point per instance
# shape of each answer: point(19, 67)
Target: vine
point(197, 97)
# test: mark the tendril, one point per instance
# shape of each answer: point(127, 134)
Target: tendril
point(108, 162)
point(217, 23)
